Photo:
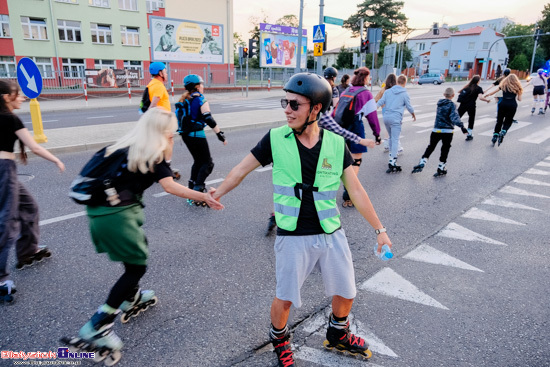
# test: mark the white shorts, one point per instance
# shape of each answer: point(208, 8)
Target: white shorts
point(297, 256)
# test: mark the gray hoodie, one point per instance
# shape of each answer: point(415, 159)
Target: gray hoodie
point(395, 100)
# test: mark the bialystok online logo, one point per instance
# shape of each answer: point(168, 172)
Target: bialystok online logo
point(62, 353)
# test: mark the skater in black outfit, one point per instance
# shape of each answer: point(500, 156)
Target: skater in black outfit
point(445, 121)
point(467, 98)
point(18, 209)
point(193, 105)
point(511, 93)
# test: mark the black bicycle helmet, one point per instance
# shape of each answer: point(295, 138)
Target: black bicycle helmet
point(330, 72)
point(506, 72)
point(311, 86)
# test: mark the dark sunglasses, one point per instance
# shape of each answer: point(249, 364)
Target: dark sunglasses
point(294, 105)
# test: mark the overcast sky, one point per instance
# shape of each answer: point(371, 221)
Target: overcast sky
point(421, 14)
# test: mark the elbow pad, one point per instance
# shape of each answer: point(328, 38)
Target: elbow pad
point(207, 117)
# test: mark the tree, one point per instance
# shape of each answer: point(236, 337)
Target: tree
point(289, 20)
point(383, 14)
point(544, 24)
point(519, 62)
point(237, 41)
point(255, 20)
point(345, 58)
point(518, 46)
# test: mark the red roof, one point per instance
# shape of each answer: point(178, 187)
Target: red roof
point(470, 32)
point(443, 34)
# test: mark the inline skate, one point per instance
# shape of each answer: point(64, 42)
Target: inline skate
point(139, 302)
point(420, 166)
point(42, 253)
point(282, 348)
point(7, 289)
point(441, 171)
point(392, 166)
point(345, 342)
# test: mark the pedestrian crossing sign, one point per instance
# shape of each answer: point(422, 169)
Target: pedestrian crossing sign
point(318, 49)
point(319, 33)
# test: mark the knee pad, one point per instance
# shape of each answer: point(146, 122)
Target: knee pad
point(210, 167)
point(357, 162)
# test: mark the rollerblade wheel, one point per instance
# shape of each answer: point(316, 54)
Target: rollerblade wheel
point(113, 358)
point(154, 301)
point(100, 355)
point(124, 318)
point(327, 345)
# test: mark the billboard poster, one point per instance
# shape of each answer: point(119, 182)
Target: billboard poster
point(179, 40)
point(111, 78)
point(279, 50)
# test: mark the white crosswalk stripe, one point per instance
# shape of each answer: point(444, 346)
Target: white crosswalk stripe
point(515, 127)
point(537, 137)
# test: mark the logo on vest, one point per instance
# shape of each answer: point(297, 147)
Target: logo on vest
point(326, 165)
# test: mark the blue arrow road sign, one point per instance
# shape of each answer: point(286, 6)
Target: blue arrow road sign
point(319, 33)
point(29, 78)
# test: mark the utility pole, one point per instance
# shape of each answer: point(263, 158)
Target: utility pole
point(361, 27)
point(534, 49)
point(299, 50)
point(321, 21)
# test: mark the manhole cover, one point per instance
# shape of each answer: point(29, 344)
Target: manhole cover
point(24, 177)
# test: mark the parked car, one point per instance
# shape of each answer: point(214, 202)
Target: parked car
point(431, 78)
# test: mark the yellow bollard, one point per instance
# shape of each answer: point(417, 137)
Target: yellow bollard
point(36, 118)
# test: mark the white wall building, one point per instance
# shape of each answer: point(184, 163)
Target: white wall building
point(469, 49)
point(495, 24)
point(423, 43)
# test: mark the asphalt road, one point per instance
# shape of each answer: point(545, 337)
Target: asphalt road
point(468, 286)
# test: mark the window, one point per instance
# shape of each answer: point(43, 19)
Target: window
point(45, 66)
point(5, 26)
point(8, 67)
point(34, 28)
point(471, 45)
point(138, 65)
point(69, 31)
point(101, 33)
point(129, 35)
point(68, 1)
point(104, 64)
point(446, 53)
point(468, 66)
point(73, 68)
point(100, 3)
point(154, 5)
point(421, 46)
point(127, 5)
point(485, 45)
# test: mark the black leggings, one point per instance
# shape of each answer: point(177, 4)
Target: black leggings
point(446, 139)
point(202, 160)
point(505, 117)
point(127, 285)
point(471, 109)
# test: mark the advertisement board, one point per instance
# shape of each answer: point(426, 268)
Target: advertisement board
point(179, 40)
point(111, 78)
point(278, 46)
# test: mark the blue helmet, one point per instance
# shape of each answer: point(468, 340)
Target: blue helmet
point(156, 67)
point(191, 80)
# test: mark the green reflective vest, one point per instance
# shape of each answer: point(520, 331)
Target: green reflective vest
point(287, 179)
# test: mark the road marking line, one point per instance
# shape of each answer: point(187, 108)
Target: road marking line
point(458, 232)
point(263, 169)
point(543, 164)
point(430, 255)
point(515, 191)
point(534, 171)
point(514, 127)
point(61, 218)
point(493, 200)
point(50, 120)
point(97, 117)
point(389, 283)
point(538, 137)
point(327, 358)
point(528, 181)
point(475, 213)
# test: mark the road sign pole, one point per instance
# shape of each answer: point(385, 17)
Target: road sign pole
point(36, 117)
point(362, 28)
point(321, 20)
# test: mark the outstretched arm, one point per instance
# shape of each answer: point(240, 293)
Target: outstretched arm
point(328, 123)
point(237, 174)
point(363, 204)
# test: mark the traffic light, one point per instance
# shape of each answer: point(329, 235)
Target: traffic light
point(365, 46)
point(245, 52)
point(252, 47)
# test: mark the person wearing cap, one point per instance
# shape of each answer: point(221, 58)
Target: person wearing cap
point(308, 165)
point(158, 95)
point(330, 75)
point(196, 110)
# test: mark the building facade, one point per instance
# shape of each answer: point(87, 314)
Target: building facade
point(66, 37)
point(497, 24)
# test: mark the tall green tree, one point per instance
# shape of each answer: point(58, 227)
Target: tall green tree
point(385, 14)
point(344, 58)
point(544, 24)
point(255, 20)
point(289, 20)
point(519, 46)
point(519, 62)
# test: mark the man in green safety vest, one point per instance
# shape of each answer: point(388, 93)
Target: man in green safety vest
point(308, 164)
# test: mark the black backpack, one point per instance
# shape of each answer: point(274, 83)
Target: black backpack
point(463, 96)
point(186, 124)
point(145, 101)
point(344, 113)
point(100, 172)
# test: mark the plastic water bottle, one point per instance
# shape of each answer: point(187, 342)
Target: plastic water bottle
point(385, 253)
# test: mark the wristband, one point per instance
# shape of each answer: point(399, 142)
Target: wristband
point(221, 137)
point(381, 230)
